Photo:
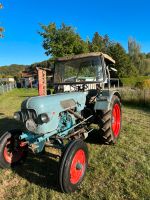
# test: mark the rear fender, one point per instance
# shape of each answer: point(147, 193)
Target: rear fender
point(103, 102)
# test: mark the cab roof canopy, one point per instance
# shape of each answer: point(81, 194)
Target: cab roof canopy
point(107, 58)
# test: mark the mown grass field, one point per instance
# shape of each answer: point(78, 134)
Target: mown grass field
point(118, 172)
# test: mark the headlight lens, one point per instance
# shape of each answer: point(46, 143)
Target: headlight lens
point(17, 116)
point(44, 118)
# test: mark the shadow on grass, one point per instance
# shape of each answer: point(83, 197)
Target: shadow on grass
point(7, 124)
point(41, 170)
point(95, 138)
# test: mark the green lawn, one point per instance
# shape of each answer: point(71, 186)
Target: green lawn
point(118, 172)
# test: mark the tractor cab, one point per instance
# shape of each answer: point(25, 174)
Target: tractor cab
point(82, 72)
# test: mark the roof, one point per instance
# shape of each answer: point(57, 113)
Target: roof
point(85, 55)
point(26, 74)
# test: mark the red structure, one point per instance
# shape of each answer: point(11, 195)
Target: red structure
point(42, 82)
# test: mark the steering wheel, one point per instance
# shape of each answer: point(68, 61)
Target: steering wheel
point(84, 86)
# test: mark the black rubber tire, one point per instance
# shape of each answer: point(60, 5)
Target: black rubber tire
point(105, 119)
point(11, 135)
point(65, 164)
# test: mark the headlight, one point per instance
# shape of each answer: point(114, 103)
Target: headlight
point(44, 118)
point(17, 116)
point(31, 125)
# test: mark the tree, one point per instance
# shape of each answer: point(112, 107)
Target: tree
point(11, 70)
point(1, 28)
point(148, 55)
point(107, 43)
point(137, 58)
point(97, 43)
point(123, 63)
point(133, 48)
point(62, 41)
point(100, 43)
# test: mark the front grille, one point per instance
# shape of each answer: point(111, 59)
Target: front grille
point(28, 114)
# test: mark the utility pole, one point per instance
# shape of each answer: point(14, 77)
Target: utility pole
point(1, 28)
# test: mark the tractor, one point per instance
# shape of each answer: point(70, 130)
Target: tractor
point(63, 120)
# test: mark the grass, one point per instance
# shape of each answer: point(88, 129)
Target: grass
point(10, 102)
point(136, 96)
point(118, 172)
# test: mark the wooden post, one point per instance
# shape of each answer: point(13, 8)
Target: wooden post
point(42, 87)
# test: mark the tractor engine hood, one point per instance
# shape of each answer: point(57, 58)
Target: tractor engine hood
point(55, 103)
point(50, 106)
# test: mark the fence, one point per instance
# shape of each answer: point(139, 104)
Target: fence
point(7, 87)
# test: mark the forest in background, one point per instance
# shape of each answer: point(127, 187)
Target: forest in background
point(64, 40)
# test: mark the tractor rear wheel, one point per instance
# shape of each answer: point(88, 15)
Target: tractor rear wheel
point(73, 165)
point(12, 150)
point(110, 121)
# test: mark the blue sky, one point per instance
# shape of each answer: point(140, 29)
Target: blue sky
point(120, 19)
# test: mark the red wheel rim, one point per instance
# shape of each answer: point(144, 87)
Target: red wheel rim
point(116, 119)
point(77, 167)
point(11, 153)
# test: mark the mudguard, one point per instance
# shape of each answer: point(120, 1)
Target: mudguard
point(103, 101)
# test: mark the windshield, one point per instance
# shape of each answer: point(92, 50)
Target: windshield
point(85, 69)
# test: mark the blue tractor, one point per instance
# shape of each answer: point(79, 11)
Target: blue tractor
point(82, 97)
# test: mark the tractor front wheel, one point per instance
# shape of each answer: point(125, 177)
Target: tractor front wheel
point(73, 166)
point(12, 150)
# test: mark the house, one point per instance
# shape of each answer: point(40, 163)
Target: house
point(30, 77)
point(7, 80)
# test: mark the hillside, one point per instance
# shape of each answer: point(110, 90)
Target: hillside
point(15, 70)
point(11, 70)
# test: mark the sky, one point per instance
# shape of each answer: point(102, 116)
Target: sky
point(120, 19)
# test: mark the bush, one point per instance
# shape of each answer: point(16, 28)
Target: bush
point(145, 84)
point(139, 85)
point(133, 81)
